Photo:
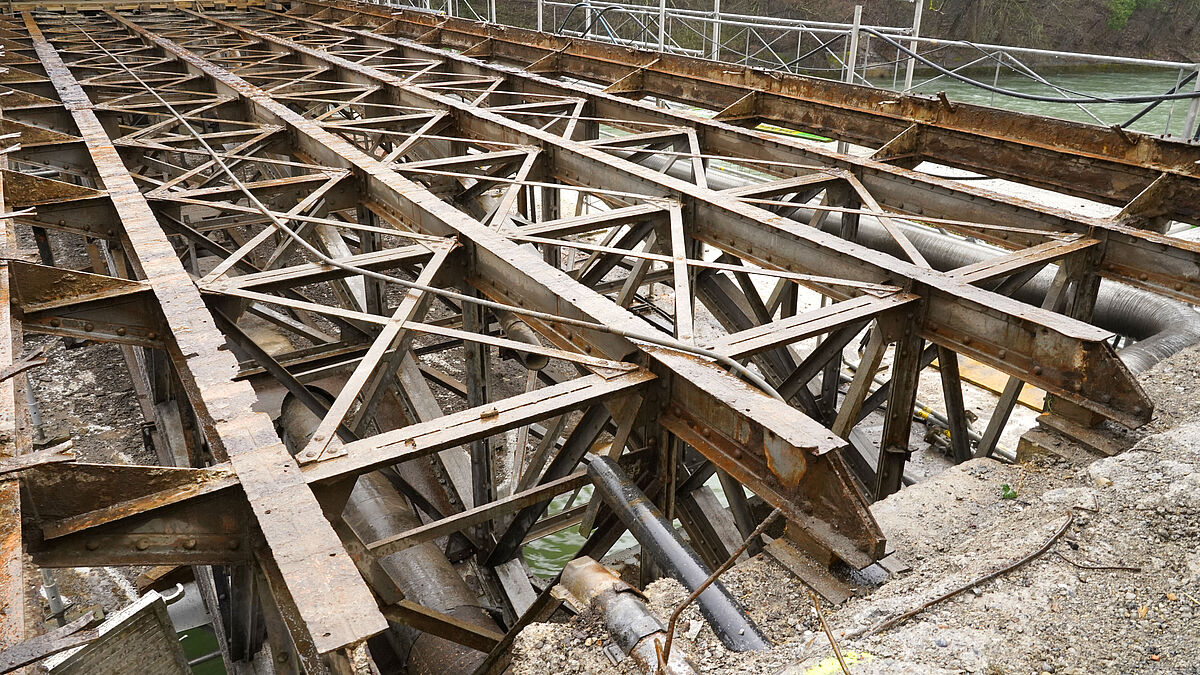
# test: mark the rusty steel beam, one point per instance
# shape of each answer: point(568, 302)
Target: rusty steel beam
point(1107, 165)
point(15, 442)
point(506, 271)
point(1141, 258)
point(333, 604)
point(1067, 357)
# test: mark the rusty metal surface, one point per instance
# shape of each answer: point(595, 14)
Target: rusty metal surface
point(1139, 257)
point(329, 594)
point(394, 156)
point(1102, 164)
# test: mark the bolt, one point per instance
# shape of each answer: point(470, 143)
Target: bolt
point(89, 326)
point(142, 544)
point(1003, 353)
point(92, 545)
point(152, 335)
point(55, 322)
point(189, 544)
point(282, 657)
point(1037, 370)
point(121, 331)
point(234, 544)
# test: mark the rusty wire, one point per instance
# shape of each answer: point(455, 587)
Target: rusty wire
point(664, 653)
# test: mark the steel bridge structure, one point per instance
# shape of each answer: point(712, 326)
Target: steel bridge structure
point(411, 202)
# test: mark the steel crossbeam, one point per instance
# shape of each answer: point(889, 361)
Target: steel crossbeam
point(330, 196)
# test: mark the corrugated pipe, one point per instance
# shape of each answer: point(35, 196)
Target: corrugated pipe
point(1161, 326)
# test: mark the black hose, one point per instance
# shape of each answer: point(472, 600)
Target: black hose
point(656, 536)
point(1084, 98)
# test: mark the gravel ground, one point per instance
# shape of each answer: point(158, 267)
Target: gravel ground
point(1058, 614)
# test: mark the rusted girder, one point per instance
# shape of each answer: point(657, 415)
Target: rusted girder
point(1067, 357)
point(1102, 164)
point(1136, 256)
point(333, 603)
point(517, 275)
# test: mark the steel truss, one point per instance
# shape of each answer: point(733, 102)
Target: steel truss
point(374, 201)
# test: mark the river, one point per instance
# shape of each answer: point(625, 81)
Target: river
point(1095, 83)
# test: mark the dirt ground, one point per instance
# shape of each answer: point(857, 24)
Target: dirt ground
point(1118, 592)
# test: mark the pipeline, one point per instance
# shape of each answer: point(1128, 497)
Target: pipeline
point(1161, 326)
point(375, 510)
point(634, 629)
point(516, 329)
point(648, 525)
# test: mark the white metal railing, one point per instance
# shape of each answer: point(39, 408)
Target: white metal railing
point(842, 51)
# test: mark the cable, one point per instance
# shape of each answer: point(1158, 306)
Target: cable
point(1085, 98)
point(658, 341)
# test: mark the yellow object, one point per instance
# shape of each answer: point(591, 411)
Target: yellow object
point(830, 665)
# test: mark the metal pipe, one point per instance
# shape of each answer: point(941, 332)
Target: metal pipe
point(516, 329)
point(629, 621)
point(1161, 326)
point(648, 525)
point(916, 33)
point(374, 511)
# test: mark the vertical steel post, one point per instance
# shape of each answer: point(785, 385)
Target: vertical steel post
point(541, 9)
point(1189, 126)
point(851, 58)
point(919, 5)
point(716, 31)
point(662, 25)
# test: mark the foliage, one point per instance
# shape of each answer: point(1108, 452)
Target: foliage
point(1119, 11)
point(1006, 491)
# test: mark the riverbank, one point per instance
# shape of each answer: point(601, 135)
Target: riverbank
point(1075, 609)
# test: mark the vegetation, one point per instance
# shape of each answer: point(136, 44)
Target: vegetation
point(1119, 11)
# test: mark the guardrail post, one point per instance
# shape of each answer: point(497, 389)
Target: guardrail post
point(541, 9)
point(716, 31)
point(662, 25)
point(1189, 125)
point(916, 33)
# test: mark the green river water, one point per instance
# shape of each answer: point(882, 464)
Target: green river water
point(1096, 83)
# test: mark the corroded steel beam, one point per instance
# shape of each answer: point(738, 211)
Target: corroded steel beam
point(1067, 357)
point(1106, 165)
point(325, 589)
point(509, 272)
point(1141, 258)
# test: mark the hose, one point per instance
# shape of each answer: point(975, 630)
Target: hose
point(1084, 98)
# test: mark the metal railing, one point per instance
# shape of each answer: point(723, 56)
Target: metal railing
point(896, 58)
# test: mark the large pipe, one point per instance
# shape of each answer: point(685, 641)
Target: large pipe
point(516, 329)
point(1161, 326)
point(375, 510)
point(634, 628)
point(648, 525)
